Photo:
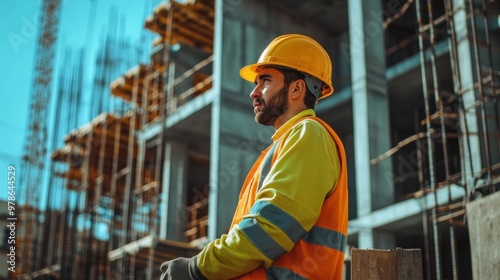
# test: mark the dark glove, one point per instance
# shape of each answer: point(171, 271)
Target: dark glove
point(181, 269)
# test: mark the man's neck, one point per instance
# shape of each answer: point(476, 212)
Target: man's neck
point(290, 113)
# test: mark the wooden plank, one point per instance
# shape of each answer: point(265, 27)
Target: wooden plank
point(375, 264)
point(149, 82)
point(192, 24)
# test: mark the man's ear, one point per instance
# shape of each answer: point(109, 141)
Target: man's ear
point(297, 88)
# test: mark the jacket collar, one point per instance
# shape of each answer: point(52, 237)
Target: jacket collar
point(286, 126)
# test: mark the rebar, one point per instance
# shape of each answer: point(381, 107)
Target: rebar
point(86, 245)
point(128, 200)
point(98, 190)
point(152, 219)
point(425, 217)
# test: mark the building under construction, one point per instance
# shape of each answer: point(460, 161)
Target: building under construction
point(415, 103)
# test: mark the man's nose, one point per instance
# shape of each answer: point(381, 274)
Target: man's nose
point(255, 92)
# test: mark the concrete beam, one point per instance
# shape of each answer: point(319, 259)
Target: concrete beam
point(184, 111)
point(338, 98)
point(412, 62)
point(403, 210)
point(131, 248)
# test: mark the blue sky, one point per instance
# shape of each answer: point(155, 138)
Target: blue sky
point(19, 33)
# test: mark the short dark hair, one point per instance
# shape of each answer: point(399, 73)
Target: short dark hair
point(291, 75)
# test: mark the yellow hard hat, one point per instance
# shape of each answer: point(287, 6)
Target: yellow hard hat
point(298, 52)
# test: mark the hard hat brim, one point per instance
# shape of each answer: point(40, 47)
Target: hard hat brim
point(249, 73)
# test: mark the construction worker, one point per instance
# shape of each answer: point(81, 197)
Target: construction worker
point(291, 218)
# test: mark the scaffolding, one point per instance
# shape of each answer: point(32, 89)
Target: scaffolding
point(107, 226)
point(457, 134)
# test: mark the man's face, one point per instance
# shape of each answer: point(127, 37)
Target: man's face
point(269, 96)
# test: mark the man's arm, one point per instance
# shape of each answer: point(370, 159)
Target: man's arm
point(286, 206)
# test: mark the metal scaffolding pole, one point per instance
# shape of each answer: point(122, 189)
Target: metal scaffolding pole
point(80, 242)
point(110, 274)
point(51, 233)
point(155, 82)
point(96, 202)
point(128, 199)
point(137, 200)
point(430, 144)
point(438, 99)
point(425, 216)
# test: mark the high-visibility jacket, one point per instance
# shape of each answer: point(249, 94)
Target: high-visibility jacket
point(272, 237)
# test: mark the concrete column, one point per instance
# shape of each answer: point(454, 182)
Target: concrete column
point(236, 141)
point(235, 138)
point(469, 119)
point(226, 178)
point(224, 183)
point(173, 197)
point(484, 225)
point(374, 187)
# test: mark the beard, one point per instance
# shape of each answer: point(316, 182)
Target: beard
point(274, 108)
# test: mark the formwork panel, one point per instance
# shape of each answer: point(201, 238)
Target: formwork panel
point(483, 220)
point(375, 264)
